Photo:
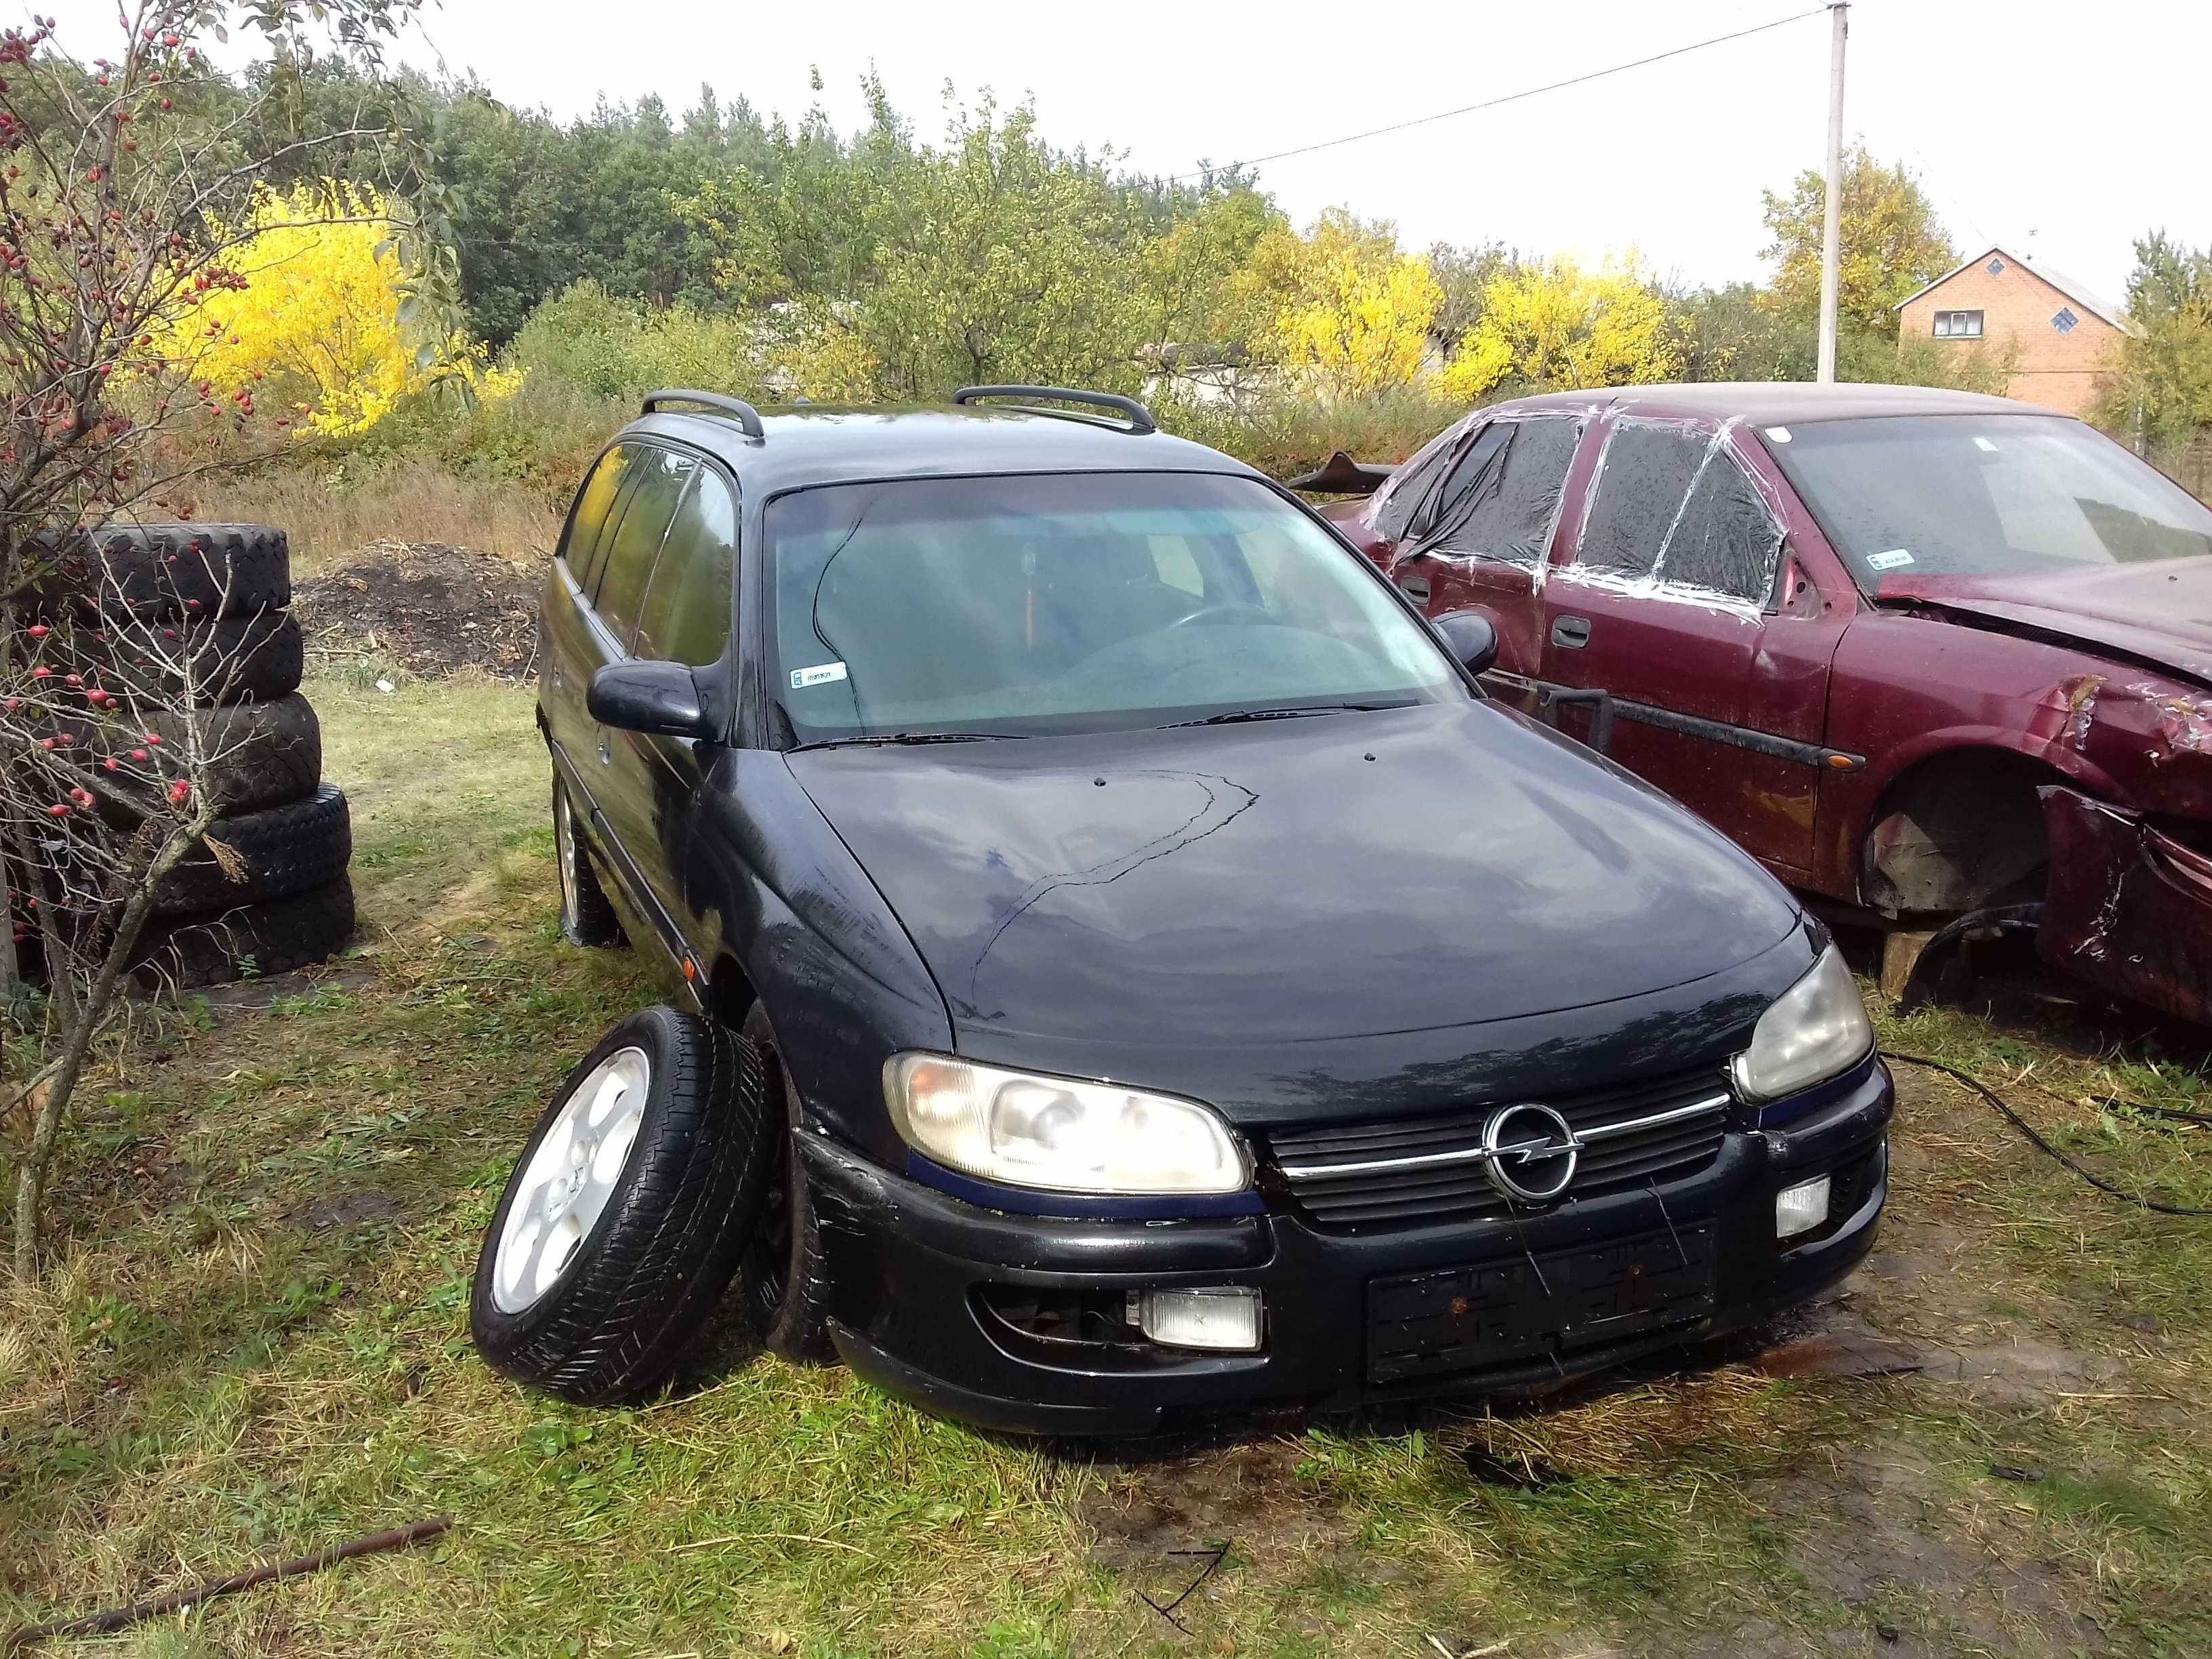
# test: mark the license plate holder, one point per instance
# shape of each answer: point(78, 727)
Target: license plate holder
point(1515, 1309)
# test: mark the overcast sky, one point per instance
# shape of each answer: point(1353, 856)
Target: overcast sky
point(2062, 131)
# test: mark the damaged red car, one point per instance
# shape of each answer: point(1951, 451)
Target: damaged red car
point(1941, 660)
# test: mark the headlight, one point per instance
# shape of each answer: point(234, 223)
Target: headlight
point(1814, 1029)
point(1057, 1132)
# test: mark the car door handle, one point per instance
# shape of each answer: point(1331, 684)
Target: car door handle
point(1573, 632)
point(1416, 589)
point(605, 759)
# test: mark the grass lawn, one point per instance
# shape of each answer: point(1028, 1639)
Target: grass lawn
point(254, 1344)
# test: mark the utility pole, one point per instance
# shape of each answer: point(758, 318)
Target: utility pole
point(1832, 207)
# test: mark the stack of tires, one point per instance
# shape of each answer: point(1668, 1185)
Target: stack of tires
point(188, 627)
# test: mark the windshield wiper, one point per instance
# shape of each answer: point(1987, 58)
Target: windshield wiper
point(881, 738)
point(1238, 716)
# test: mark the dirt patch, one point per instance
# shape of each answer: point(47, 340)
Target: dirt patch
point(362, 1207)
point(1928, 1571)
point(1248, 1494)
point(425, 607)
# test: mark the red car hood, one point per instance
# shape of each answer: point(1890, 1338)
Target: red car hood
point(2158, 610)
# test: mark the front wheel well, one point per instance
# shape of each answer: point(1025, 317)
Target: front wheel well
point(1957, 831)
point(729, 993)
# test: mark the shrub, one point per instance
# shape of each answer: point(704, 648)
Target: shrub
point(1284, 434)
point(593, 342)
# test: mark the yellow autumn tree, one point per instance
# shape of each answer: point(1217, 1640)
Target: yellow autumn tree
point(316, 325)
point(1355, 311)
point(1551, 323)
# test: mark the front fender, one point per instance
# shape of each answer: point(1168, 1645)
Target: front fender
point(842, 984)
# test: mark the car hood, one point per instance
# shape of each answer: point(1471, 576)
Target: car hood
point(2158, 610)
point(1336, 875)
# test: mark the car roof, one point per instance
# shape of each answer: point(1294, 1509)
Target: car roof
point(818, 445)
point(1780, 402)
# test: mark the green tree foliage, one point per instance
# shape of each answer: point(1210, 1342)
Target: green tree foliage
point(1891, 243)
point(2160, 390)
point(991, 256)
point(614, 346)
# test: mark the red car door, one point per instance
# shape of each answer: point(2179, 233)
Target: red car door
point(1676, 602)
point(1487, 533)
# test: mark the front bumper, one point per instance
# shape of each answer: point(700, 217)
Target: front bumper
point(919, 1279)
point(2128, 909)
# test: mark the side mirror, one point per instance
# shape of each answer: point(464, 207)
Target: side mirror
point(658, 698)
point(1469, 635)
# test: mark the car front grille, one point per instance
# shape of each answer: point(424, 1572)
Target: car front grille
point(1433, 1169)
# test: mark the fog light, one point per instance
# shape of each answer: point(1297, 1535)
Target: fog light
point(1225, 1316)
point(1800, 1208)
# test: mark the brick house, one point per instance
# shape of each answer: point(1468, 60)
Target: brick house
point(2063, 335)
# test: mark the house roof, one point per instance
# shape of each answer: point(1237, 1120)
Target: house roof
point(2088, 298)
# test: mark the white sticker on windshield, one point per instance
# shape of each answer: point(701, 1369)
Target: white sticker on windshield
point(1895, 558)
point(1779, 434)
point(803, 677)
point(1984, 444)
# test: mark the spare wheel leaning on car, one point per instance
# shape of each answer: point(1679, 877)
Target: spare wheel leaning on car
point(628, 1209)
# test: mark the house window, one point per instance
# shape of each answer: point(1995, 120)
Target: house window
point(2065, 321)
point(1995, 267)
point(1957, 324)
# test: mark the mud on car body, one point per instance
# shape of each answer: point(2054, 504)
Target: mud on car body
point(1924, 654)
point(1175, 985)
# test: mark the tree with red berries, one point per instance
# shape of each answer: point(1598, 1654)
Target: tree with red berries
point(120, 646)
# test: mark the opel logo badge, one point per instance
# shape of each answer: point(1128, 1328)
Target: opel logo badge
point(1530, 1152)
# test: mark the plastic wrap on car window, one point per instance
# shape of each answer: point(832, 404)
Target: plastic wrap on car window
point(1643, 479)
point(1473, 479)
point(1674, 515)
point(1724, 539)
point(1509, 512)
point(1399, 495)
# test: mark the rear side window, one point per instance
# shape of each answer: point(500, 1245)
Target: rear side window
point(1507, 510)
point(1674, 505)
point(686, 615)
point(1403, 491)
point(1473, 476)
point(595, 506)
point(662, 476)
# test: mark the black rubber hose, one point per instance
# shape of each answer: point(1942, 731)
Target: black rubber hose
point(2043, 1146)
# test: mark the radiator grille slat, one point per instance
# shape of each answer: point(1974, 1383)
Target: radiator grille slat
point(1450, 1186)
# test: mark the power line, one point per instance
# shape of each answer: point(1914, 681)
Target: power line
point(1508, 98)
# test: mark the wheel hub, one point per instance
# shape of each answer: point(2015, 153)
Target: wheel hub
point(570, 1179)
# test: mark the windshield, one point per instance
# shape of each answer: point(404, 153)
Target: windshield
point(1984, 495)
point(1078, 602)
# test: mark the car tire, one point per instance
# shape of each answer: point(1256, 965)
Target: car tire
point(233, 659)
point(251, 941)
point(262, 754)
point(257, 857)
point(787, 1280)
point(646, 1244)
point(198, 570)
point(587, 916)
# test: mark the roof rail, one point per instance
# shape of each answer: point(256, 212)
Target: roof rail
point(747, 417)
point(1141, 418)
